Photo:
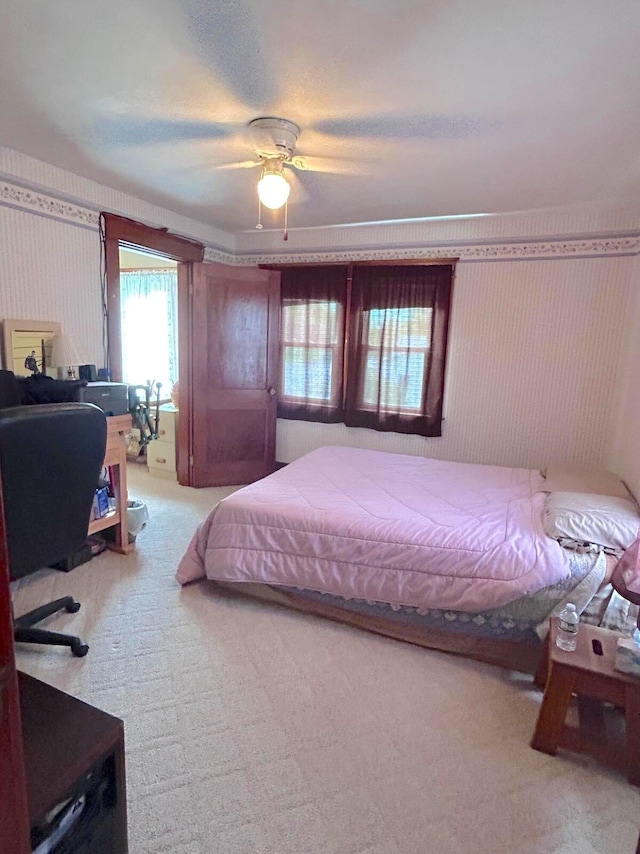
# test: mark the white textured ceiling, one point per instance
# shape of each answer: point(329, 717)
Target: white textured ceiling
point(426, 107)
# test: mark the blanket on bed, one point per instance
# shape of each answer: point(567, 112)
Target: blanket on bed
point(384, 527)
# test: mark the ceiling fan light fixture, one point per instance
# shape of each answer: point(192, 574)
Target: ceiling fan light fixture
point(273, 187)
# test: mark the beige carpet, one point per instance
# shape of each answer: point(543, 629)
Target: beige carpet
point(254, 729)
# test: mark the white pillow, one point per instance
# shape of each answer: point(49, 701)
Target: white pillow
point(584, 518)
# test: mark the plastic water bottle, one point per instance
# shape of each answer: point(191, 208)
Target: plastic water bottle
point(569, 621)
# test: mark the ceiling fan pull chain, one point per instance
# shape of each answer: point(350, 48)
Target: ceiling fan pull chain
point(285, 236)
point(259, 223)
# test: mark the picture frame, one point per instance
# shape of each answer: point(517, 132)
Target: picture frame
point(25, 339)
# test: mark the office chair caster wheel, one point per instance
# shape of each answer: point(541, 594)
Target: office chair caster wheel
point(80, 649)
point(73, 608)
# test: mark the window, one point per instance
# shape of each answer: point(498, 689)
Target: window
point(312, 343)
point(149, 315)
point(396, 344)
point(311, 339)
point(394, 353)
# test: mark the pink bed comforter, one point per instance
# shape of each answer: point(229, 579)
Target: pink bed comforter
point(386, 528)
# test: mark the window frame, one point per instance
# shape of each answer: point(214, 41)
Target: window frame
point(368, 348)
point(338, 352)
point(431, 424)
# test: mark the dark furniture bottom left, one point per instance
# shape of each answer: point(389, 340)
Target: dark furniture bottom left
point(75, 770)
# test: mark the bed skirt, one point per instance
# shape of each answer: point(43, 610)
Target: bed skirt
point(521, 655)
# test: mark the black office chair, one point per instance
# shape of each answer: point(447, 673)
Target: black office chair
point(51, 457)
point(10, 393)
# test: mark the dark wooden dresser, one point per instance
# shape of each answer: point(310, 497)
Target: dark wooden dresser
point(73, 760)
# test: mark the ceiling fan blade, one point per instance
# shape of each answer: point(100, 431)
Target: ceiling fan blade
point(117, 130)
point(298, 193)
point(228, 38)
point(329, 165)
point(437, 126)
point(244, 164)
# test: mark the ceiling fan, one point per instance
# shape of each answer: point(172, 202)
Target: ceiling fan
point(274, 139)
point(274, 142)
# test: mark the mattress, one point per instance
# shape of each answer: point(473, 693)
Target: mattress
point(385, 528)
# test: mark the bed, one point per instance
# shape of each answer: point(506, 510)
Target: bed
point(448, 555)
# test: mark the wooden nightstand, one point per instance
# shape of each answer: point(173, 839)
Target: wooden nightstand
point(589, 675)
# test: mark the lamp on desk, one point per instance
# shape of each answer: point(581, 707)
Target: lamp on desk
point(65, 354)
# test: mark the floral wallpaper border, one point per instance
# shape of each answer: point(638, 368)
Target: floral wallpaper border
point(13, 195)
point(531, 249)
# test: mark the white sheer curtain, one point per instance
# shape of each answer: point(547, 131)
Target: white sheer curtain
point(149, 316)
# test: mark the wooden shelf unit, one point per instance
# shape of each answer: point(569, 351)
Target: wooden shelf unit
point(116, 458)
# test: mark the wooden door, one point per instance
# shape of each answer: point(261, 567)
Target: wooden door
point(14, 817)
point(229, 327)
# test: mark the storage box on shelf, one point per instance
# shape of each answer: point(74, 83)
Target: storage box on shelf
point(161, 453)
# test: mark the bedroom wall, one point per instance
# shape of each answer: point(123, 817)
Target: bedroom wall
point(138, 261)
point(535, 351)
point(625, 453)
point(540, 364)
point(50, 270)
point(50, 247)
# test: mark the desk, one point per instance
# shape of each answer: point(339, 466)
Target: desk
point(116, 458)
point(72, 748)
